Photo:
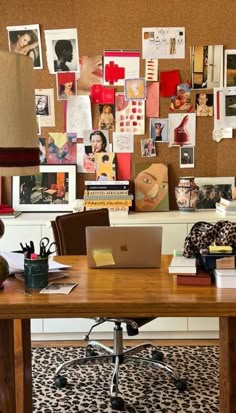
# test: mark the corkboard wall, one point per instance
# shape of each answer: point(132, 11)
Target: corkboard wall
point(113, 24)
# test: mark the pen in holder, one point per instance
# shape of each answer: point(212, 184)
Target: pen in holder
point(36, 273)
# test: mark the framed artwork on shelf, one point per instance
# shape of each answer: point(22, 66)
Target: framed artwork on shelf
point(52, 190)
point(211, 189)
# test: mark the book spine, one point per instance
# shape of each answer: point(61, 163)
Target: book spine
point(108, 197)
point(106, 187)
point(106, 192)
point(107, 203)
point(193, 280)
point(102, 183)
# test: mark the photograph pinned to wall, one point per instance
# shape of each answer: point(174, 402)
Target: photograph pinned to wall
point(26, 40)
point(182, 129)
point(62, 50)
point(106, 117)
point(62, 148)
point(186, 156)
point(42, 151)
point(225, 107)
point(95, 141)
point(182, 100)
point(151, 187)
point(91, 73)
point(230, 68)
point(163, 43)
point(38, 124)
point(206, 66)
point(151, 70)
point(123, 142)
point(130, 115)
point(44, 106)
point(211, 189)
point(52, 190)
point(66, 85)
point(159, 129)
point(148, 148)
point(204, 104)
point(135, 89)
point(105, 166)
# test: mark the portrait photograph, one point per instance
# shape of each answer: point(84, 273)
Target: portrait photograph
point(44, 106)
point(204, 104)
point(159, 129)
point(26, 40)
point(62, 50)
point(66, 85)
point(186, 157)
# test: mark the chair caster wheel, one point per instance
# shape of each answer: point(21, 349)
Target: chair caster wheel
point(157, 355)
point(117, 403)
point(60, 381)
point(181, 384)
point(90, 352)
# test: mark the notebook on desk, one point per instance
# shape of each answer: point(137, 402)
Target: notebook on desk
point(124, 247)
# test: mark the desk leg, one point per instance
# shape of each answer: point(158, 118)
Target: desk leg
point(227, 364)
point(22, 347)
point(7, 368)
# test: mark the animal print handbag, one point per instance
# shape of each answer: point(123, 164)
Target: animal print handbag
point(204, 234)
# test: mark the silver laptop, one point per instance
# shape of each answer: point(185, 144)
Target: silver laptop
point(124, 247)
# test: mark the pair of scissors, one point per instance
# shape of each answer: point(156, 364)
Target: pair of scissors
point(46, 248)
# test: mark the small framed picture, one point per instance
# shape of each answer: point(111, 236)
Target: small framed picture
point(211, 189)
point(135, 89)
point(186, 156)
point(52, 190)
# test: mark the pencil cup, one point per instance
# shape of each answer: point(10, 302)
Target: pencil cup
point(36, 273)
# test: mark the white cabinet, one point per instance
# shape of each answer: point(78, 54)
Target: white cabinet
point(176, 225)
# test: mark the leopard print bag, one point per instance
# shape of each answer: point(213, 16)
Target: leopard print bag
point(204, 234)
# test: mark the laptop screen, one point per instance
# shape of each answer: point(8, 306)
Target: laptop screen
point(124, 247)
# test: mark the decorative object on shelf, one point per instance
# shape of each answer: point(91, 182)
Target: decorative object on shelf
point(78, 205)
point(211, 189)
point(186, 194)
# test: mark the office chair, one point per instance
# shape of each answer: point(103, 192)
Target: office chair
point(69, 235)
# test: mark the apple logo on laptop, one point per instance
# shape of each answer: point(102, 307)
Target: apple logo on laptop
point(124, 247)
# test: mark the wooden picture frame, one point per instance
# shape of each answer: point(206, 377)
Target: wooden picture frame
point(52, 190)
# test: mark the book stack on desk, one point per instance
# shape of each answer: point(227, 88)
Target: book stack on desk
point(113, 195)
point(226, 207)
point(187, 272)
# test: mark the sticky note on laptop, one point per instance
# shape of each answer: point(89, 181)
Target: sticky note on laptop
point(103, 258)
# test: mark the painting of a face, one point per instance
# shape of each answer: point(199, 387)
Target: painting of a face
point(151, 189)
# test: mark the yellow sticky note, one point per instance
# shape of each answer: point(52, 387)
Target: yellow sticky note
point(103, 258)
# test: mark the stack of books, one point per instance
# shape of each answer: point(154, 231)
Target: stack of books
point(226, 207)
point(187, 272)
point(113, 195)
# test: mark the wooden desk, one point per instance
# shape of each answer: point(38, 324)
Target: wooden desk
point(112, 293)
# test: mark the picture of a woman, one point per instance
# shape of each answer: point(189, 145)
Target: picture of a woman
point(26, 40)
point(66, 85)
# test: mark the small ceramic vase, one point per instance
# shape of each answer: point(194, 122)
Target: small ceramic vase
point(186, 194)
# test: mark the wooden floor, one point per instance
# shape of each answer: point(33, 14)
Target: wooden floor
point(81, 343)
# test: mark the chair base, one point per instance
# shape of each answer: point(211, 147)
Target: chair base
point(118, 356)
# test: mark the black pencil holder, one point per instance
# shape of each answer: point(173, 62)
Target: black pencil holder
point(36, 273)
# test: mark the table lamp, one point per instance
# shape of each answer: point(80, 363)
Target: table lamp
point(19, 151)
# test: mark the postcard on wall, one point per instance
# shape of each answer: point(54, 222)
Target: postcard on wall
point(152, 99)
point(224, 107)
point(182, 129)
point(120, 65)
point(159, 129)
point(62, 50)
point(163, 43)
point(26, 40)
point(78, 115)
point(106, 117)
point(105, 166)
point(91, 73)
point(151, 187)
point(182, 99)
point(204, 104)
point(230, 68)
point(151, 70)
point(186, 156)
point(66, 85)
point(206, 66)
point(44, 106)
point(135, 89)
point(62, 148)
point(130, 115)
point(123, 142)
point(148, 148)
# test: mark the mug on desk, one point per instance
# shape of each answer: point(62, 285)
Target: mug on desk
point(36, 273)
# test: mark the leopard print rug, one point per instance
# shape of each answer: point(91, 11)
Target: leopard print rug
point(144, 390)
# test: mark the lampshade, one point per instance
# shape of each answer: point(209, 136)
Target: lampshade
point(19, 151)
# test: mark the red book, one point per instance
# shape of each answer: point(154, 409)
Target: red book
point(201, 278)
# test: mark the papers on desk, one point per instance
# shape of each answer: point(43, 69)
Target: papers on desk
point(16, 262)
